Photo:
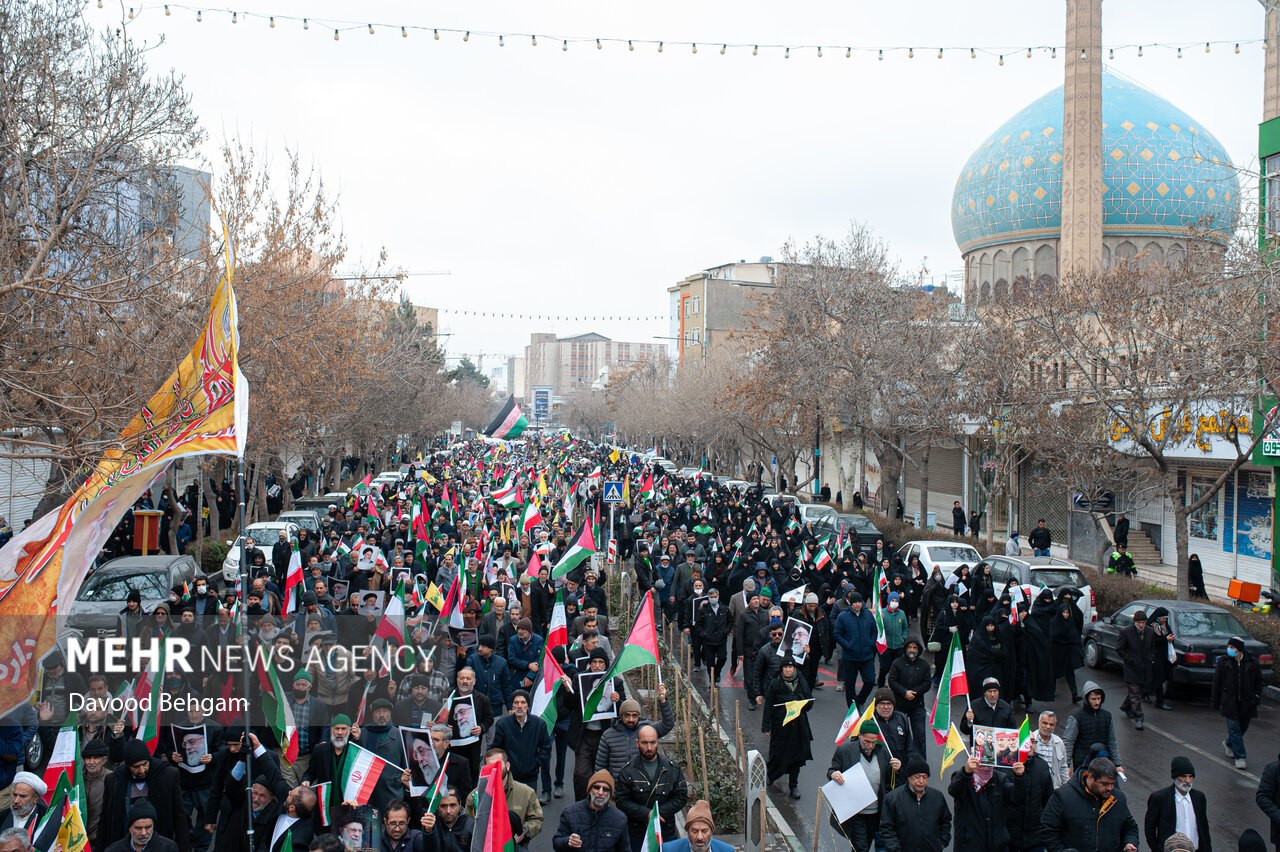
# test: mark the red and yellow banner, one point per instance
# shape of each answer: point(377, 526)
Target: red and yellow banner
point(202, 408)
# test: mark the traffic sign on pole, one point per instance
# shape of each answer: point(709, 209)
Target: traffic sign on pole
point(612, 491)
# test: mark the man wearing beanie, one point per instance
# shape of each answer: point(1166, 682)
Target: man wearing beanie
point(524, 654)
point(895, 728)
point(94, 758)
point(381, 737)
point(140, 777)
point(699, 828)
point(915, 816)
point(1178, 809)
point(618, 743)
point(1236, 692)
point(526, 741)
point(881, 771)
point(493, 675)
point(748, 636)
point(142, 835)
point(593, 824)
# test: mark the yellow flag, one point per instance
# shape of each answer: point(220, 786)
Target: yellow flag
point(953, 747)
point(615, 455)
point(434, 597)
point(72, 837)
point(793, 710)
point(626, 490)
point(542, 483)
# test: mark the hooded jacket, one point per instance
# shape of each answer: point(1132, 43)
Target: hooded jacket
point(618, 742)
point(1086, 727)
point(1075, 819)
point(163, 791)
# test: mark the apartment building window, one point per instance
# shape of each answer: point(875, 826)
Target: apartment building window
point(1273, 193)
point(697, 304)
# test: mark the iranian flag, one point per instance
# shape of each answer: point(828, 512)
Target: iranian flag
point(956, 683)
point(882, 641)
point(392, 628)
point(451, 614)
point(653, 834)
point(823, 560)
point(544, 693)
point(558, 632)
point(535, 567)
point(62, 761)
point(505, 494)
point(531, 518)
point(581, 548)
point(149, 726)
point(641, 649)
point(437, 789)
point(292, 580)
point(1024, 740)
point(281, 714)
point(492, 827)
point(509, 423)
point(361, 770)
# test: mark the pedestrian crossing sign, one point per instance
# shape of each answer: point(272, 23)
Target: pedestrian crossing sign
point(612, 491)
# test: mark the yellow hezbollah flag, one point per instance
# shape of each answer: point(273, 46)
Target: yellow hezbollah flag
point(626, 490)
point(542, 483)
point(202, 408)
point(72, 837)
point(434, 597)
point(615, 455)
point(793, 710)
point(953, 747)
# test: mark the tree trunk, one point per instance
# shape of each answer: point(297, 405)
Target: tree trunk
point(988, 507)
point(171, 479)
point(1181, 532)
point(924, 484)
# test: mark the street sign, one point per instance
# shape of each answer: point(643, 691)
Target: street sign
point(612, 492)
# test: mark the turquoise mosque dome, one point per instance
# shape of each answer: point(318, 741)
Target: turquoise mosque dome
point(1165, 174)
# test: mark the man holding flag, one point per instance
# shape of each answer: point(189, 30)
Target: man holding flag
point(866, 754)
point(593, 824)
point(915, 816)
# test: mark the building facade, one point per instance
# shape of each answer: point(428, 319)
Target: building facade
point(708, 306)
point(568, 364)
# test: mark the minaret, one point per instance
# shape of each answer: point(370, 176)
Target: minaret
point(1082, 189)
point(1271, 84)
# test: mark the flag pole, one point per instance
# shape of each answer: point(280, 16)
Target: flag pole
point(244, 642)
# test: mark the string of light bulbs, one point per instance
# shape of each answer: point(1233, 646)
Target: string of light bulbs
point(565, 317)
point(337, 27)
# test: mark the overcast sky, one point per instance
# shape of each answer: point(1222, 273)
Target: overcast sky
point(588, 181)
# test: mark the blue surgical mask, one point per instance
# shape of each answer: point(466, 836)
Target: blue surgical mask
point(1232, 652)
point(776, 619)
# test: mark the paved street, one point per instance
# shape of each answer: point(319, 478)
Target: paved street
point(1191, 729)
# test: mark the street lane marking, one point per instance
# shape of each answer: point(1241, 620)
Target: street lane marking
point(1215, 758)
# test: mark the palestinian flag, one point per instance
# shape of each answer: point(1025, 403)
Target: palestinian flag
point(282, 833)
point(1024, 740)
point(509, 423)
point(531, 518)
point(505, 494)
point(292, 580)
point(558, 632)
point(492, 831)
point(451, 612)
point(653, 834)
point(640, 649)
point(280, 714)
point(393, 628)
point(438, 788)
point(581, 548)
point(793, 525)
point(340, 548)
point(363, 485)
point(646, 488)
point(361, 770)
point(957, 684)
point(544, 692)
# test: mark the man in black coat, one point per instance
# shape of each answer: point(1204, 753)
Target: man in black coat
point(958, 519)
point(1134, 646)
point(915, 816)
point(158, 782)
point(1178, 808)
point(593, 823)
point(713, 626)
point(142, 831)
point(1268, 798)
point(1089, 814)
point(911, 678)
point(990, 711)
point(1236, 692)
point(649, 779)
point(981, 794)
point(1028, 796)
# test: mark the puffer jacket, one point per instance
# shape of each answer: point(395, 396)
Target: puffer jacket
point(856, 635)
point(605, 831)
point(636, 795)
point(618, 742)
point(1074, 819)
point(1031, 790)
point(493, 678)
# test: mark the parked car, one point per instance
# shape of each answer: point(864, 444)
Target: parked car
point(1200, 632)
point(387, 477)
point(813, 512)
point(102, 595)
point(1049, 571)
point(320, 505)
point(689, 472)
point(264, 535)
point(946, 555)
point(308, 519)
point(855, 525)
point(740, 485)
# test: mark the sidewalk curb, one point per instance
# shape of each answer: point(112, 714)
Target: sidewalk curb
point(1271, 692)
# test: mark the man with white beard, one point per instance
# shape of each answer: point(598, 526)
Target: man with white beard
point(28, 805)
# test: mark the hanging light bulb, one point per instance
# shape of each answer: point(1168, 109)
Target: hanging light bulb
point(533, 41)
point(848, 53)
point(271, 22)
point(436, 34)
point(564, 45)
point(1237, 48)
point(819, 51)
point(404, 33)
point(1028, 53)
point(882, 55)
point(939, 53)
point(630, 46)
point(1084, 54)
point(167, 12)
point(1179, 53)
point(695, 49)
point(659, 47)
point(1002, 60)
point(1139, 51)
point(99, 4)
point(911, 53)
point(131, 13)
point(787, 54)
point(1053, 53)
point(371, 29)
point(199, 16)
point(335, 35)
point(1111, 54)
point(599, 46)
point(755, 49)
point(501, 42)
point(1206, 47)
point(973, 53)
point(723, 48)
point(466, 36)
